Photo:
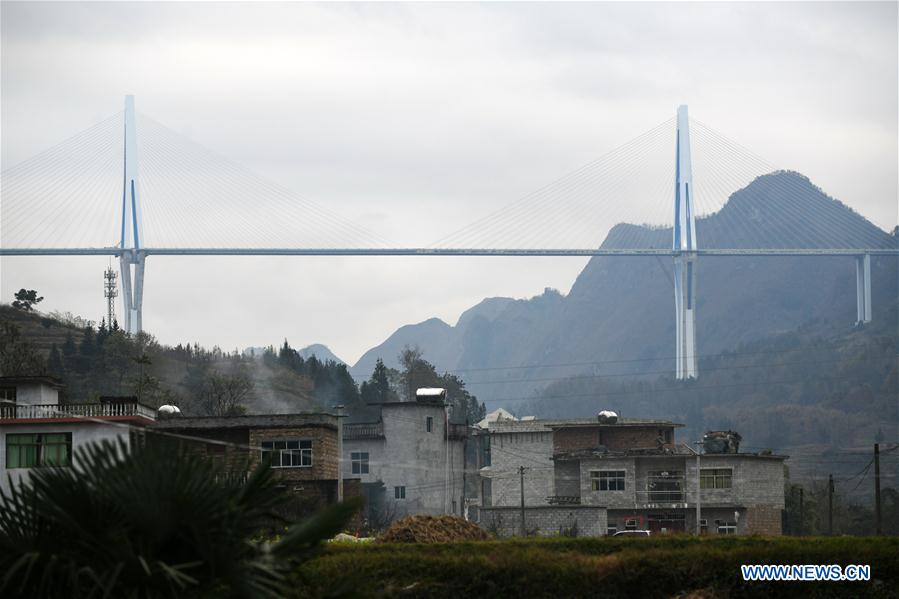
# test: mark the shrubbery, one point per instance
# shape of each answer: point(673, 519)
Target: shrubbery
point(607, 567)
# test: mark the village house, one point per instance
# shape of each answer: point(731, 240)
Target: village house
point(612, 474)
point(301, 449)
point(507, 444)
point(37, 431)
point(410, 461)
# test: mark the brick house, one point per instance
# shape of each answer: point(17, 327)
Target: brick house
point(300, 448)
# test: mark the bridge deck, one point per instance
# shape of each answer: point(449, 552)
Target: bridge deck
point(113, 251)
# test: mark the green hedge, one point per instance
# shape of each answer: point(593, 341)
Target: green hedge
point(608, 567)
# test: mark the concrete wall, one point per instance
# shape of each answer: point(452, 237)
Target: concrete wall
point(568, 479)
point(757, 480)
point(610, 499)
point(756, 492)
point(35, 394)
point(508, 451)
point(576, 520)
point(82, 434)
point(429, 467)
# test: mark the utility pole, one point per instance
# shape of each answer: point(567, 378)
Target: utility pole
point(698, 495)
point(830, 505)
point(521, 470)
point(339, 453)
point(877, 513)
point(801, 507)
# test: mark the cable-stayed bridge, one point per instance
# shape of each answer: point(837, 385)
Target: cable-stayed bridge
point(129, 187)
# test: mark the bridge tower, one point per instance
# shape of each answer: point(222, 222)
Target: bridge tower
point(132, 258)
point(685, 250)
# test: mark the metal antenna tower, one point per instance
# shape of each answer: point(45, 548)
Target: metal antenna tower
point(110, 292)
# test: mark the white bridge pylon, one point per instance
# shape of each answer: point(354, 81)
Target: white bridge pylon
point(685, 261)
point(132, 250)
point(132, 259)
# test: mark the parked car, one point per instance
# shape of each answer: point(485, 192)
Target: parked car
point(631, 533)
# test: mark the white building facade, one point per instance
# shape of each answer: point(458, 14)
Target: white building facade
point(36, 431)
point(409, 462)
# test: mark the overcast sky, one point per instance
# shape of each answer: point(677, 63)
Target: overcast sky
point(415, 119)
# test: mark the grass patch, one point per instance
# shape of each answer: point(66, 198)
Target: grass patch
point(609, 567)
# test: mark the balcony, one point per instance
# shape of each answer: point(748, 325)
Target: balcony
point(367, 430)
point(76, 410)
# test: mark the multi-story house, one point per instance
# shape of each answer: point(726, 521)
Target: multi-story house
point(615, 474)
point(300, 448)
point(506, 445)
point(410, 461)
point(645, 480)
point(37, 431)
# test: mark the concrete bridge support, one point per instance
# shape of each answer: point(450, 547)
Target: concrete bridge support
point(863, 287)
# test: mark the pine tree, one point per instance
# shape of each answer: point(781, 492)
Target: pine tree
point(54, 362)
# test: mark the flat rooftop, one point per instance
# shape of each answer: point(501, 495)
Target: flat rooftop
point(248, 421)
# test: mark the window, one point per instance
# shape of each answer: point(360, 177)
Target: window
point(611, 530)
point(7, 395)
point(630, 524)
point(359, 460)
point(607, 480)
point(726, 528)
point(38, 450)
point(715, 478)
point(703, 526)
point(487, 492)
point(429, 424)
point(399, 492)
point(287, 454)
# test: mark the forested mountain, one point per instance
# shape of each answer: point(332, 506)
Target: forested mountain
point(104, 361)
point(618, 317)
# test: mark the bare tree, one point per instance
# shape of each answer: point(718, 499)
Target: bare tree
point(225, 394)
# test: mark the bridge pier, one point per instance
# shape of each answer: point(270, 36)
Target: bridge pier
point(132, 268)
point(863, 287)
point(685, 325)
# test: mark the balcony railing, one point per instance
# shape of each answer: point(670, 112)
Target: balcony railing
point(76, 410)
point(367, 430)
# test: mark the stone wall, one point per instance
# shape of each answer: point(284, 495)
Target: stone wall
point(545, 521)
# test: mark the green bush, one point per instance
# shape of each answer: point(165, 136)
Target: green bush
point(655, 567)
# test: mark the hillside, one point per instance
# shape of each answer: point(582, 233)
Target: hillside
point(618, 316)
point(169, 374)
